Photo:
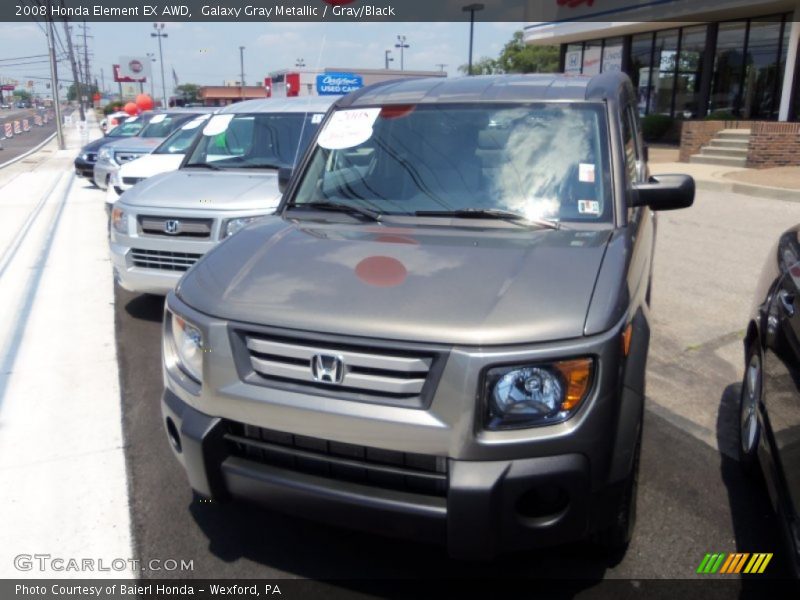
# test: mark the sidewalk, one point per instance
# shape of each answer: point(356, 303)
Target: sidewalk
point(780, 183)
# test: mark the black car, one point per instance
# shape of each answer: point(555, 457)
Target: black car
point(84, 162)
point(769, 414)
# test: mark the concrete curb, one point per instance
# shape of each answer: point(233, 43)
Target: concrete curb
point(29, 152)
point(749, 189)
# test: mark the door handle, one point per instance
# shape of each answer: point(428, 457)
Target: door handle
point(787, 302)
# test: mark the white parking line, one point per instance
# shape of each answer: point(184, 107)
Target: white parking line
point(63, 484)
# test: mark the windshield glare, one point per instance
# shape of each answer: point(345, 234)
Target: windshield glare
point(128, 129)
point(159, 127)
point(262, 140)
point(180, 140)
point(538, 160)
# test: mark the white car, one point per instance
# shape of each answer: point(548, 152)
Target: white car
point(114, 119)
point(166, 157)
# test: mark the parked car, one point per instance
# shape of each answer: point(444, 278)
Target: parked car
point(769, 410)
point(442, 332)
point(113, 120)
point(167, 156)
point(5, 105)
point(86, 159)
point(113, 155)
point(229, 177)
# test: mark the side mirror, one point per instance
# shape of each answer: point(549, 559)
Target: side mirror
point(664, 192)
point(284, 176)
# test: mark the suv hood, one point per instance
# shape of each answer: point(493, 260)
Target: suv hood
point(428, 284)
point(137, 144)
point(207, 190)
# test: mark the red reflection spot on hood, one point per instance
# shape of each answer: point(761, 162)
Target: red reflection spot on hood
point(381, 271)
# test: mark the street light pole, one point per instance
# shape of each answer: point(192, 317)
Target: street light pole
point(152, 58)
point(241, 72)
point(401, 43)
point(388, 58)
point(159, 33)
point(471, 9)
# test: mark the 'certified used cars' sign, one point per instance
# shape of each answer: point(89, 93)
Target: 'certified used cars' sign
point(338, 83)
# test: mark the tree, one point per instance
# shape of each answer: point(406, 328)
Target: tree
point(72, 93)
point(518, 57)
point(21, 95)
point(188, 92)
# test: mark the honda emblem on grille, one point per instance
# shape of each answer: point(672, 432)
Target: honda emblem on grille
point(327, 368)
point(172, 226)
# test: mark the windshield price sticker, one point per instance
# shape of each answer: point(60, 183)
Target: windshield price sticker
point(195, 123)
point(316, 119)
point(586, 173)
point(217, 124)
point(588, 207)
point(348, 128)
point(158, 118)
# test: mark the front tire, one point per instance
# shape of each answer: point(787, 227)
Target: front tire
point(749, 403)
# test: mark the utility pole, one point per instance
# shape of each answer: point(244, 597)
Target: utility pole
point(159, 33)
point(401, 43)
point(86, 73)
point(152, 58)
point(441, 66)
point(471, 9)
point(75, 76)
point(102, 81)
point(241, 72)
point(54, 81)
point(387, 58)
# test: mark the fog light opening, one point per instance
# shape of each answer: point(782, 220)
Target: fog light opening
point(544, 503)
point(174, 436)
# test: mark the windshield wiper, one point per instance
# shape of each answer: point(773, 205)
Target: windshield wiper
point(258, 166)
point(205, 166)
point(334, 207)
point(488, 213)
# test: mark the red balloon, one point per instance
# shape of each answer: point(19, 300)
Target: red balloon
point(144, 102)
point(131, 109)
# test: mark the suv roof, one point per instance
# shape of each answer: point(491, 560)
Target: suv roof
point(299, 104)
point(492, 88)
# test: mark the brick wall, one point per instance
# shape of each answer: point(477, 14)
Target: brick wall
point(773, 145)
point(695, 134)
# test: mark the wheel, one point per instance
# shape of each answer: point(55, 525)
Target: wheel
point(750, 399)
point(615, 538)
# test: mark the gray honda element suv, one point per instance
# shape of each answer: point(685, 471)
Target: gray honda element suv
point(442, 332)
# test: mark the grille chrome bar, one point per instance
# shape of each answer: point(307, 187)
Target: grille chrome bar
point(370, 373)
point(123, 157)
point(163, 260)
point(185, 227)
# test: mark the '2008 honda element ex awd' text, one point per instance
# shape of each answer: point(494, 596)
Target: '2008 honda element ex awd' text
point(442, 332)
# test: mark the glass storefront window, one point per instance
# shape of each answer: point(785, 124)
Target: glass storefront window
point(612, 55)
point(573, 59)
point(690, 72)
point(665, 59)
point(763, 70)
point(641, 55)
point(592, 55)
point(726, 90)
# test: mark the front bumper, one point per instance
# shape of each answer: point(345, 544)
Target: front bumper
point(104, 171)
point(84, 168)
point(137, 279)
point(489, 506)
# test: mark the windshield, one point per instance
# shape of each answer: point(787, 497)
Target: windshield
point(542, 161)
point(160, 126)
point(260, 140)
point(181, 139)
point(128, 129)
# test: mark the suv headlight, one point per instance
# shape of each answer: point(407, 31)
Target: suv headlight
point(536, 394)
point(105, 154)
point(119, 220)
point(187, 342)
point(231, 226)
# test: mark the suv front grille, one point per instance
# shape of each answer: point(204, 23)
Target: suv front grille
point(91, 157)
point(388, 469)
point(132, 180)
point(178, 227)
point(364, 371)
point(163, 260)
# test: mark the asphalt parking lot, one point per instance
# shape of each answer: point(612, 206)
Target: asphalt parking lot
point(692, 499)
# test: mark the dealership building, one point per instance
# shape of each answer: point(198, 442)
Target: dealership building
point(726, 58)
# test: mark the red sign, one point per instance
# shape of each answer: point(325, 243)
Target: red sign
point(119, 79)
point(8, 88)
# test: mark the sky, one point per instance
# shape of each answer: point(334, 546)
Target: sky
point(208, 53)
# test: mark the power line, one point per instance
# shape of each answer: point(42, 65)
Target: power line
point(23, 57)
